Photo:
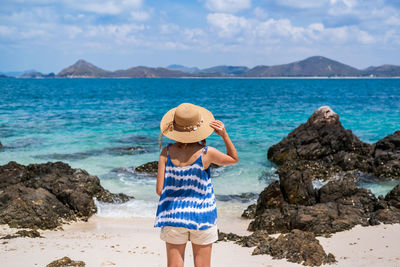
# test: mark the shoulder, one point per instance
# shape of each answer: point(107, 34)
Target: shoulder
point(164, 152)
point(210, 150)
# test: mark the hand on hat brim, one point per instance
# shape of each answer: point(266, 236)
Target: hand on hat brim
point(219, 127)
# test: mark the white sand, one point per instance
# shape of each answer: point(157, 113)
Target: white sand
point(134, 242)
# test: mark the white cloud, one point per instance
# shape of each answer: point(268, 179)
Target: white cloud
point(227, 25)
point(260, 13)
point(280, 28)
point(193, 34)
point(110, 7)
point(252, 31)
point(5, 30)
point(169, 28)
point(140, 15)
point(393, 20)
point(229, 6)
point(72, 31)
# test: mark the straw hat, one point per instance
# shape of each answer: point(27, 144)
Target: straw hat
point(187, 123)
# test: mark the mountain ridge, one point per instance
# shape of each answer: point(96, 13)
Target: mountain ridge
point(315, 66)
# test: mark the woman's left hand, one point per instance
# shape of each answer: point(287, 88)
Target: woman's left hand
point(219, 127)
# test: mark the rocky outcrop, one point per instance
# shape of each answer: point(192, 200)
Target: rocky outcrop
point(149, 168)
point(66, 262)
point(340, 205)
point(393, 197)
point(322, 147)
point(45, 195)
point(23, 233)
point(296, 246)
point(386, 154)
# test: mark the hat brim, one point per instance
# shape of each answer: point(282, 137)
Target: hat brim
point(202, 132)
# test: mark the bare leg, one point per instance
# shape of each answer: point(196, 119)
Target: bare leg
point(202, 255)
point(175, 254)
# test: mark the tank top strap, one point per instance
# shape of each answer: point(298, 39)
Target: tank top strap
point(204, 149)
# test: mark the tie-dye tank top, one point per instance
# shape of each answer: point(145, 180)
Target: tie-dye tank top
point(187, 199)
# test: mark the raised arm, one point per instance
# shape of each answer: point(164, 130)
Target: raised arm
point(217, 157)
point(162, 161)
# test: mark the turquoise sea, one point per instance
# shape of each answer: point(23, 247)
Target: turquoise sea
point(88, 123)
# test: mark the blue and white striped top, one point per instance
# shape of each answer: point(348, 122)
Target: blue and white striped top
point(187, 199)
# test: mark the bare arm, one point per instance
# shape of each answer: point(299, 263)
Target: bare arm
point(217, 157)
point(162, 161)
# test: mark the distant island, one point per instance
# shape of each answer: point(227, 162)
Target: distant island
point(316, 66)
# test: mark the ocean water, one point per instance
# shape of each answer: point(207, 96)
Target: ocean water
point(88, 123)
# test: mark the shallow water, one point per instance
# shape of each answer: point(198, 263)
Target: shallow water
point(88, 123)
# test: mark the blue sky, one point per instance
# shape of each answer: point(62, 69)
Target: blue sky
point(49, 35)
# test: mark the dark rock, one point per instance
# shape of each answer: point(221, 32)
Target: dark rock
point(250, 212)
point(388, 216)
point(270, 198)
point(336, 189)
point(296, 187)
point(254, 239)
point(322, 148)
point(340, 206)
point(23, 233)
point(25, 207)
point(149, 167)
point(1, 145)
point(386, 153)
point(324, 144)
point(66, 262)
point(393, 197)
point(296, 246)
point(43, 195)
point(272, 220)
point(228, 237)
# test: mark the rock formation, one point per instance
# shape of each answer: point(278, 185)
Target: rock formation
point(149, 168)
point(66, 262)
point(386, 154)
point(45, 195)
point(322, 148)
point(23, 233)
point(339, 205)
point(296, 246)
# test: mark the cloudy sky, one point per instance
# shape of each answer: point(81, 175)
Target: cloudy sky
point(48, 35)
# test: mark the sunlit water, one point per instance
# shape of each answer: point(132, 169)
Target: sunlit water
point(86, 122)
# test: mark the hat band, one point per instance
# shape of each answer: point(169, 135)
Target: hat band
point(188, 128)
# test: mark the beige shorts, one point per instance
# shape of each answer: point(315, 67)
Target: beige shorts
point(180, 235)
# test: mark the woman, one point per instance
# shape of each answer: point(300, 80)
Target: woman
point(186, 209)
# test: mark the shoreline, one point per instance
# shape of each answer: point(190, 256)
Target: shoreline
point(122, 241)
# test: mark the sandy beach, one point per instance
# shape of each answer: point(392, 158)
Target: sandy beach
point(134, 242)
